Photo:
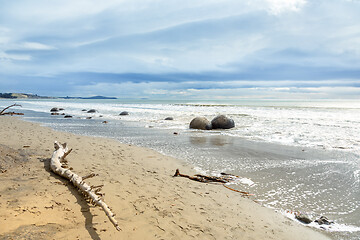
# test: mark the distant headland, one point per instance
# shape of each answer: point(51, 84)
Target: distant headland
point(35, 96)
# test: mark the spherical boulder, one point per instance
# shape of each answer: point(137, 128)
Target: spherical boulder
point(200, 123)
point(222, 122)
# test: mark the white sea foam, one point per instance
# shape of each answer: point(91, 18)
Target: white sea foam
point(335, 227)
point(246, 181)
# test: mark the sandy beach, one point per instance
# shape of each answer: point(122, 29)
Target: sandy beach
point(148, 202)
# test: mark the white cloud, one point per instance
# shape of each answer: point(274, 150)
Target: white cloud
point(224, 90)
point(33, 46)
point(4, 57)
point(279, 6)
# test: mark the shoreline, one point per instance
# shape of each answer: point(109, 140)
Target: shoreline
point(149, 203)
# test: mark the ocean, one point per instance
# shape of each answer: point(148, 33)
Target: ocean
point(292, 155)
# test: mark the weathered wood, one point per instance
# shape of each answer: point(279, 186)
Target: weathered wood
point(2, 112)
point(61, 151)
point(225, 178)
point(200, 178)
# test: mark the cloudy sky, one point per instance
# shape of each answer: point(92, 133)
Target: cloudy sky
point(181, 49)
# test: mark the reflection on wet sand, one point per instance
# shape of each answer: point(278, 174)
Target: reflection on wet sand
point(211, 140)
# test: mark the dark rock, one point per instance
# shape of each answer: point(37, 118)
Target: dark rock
point(105, 122)
point(84, 110)
point(62, 114)
point(302, 217)
point(67, 116)
point(91, 111)
point(88, 117)
point(54, 109)
point(222, 122)
point(200, 123)
point(169, 118)
point(323, 220)
point(61, 109)
point(124, 113)
point(55, 113)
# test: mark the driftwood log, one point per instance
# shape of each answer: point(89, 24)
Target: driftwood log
point(225, 178)
point(58, 166)
point(2, 112)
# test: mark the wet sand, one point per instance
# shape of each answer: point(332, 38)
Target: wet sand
point(148, 202)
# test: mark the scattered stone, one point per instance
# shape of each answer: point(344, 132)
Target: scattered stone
point(61, 109)
point(91, 111)
point(105, 122)
point(200, 123)
point(88, 117)
point(62, 114)
point(222, 122)
point(323, 220)
point(124, 113)
point(302, 217)
point(84, 110)
point(54, 109)
point(67, 116)
point(176, 133)
point(55, 113)
point(169, 118)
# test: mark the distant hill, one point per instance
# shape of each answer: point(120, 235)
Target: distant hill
point(35, 96)
point(94, 97)
point(99, 97)
point(22, 96)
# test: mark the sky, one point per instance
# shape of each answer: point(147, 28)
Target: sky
point(189, 49)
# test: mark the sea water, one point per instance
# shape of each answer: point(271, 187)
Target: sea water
point(293, 155)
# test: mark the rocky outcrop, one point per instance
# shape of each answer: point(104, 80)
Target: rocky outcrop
point(222, 122)
point(91, 111)
point(124, 113)
point(67, 116)
point(302, 217)
point(200, 123)
point(169, 118)
point(323, 220)
point(55, 109)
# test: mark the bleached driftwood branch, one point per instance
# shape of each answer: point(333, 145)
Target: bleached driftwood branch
point(2, 112)
point(91, 193)
point(225, 178)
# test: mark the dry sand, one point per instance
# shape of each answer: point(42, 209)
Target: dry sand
point(149, 203)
